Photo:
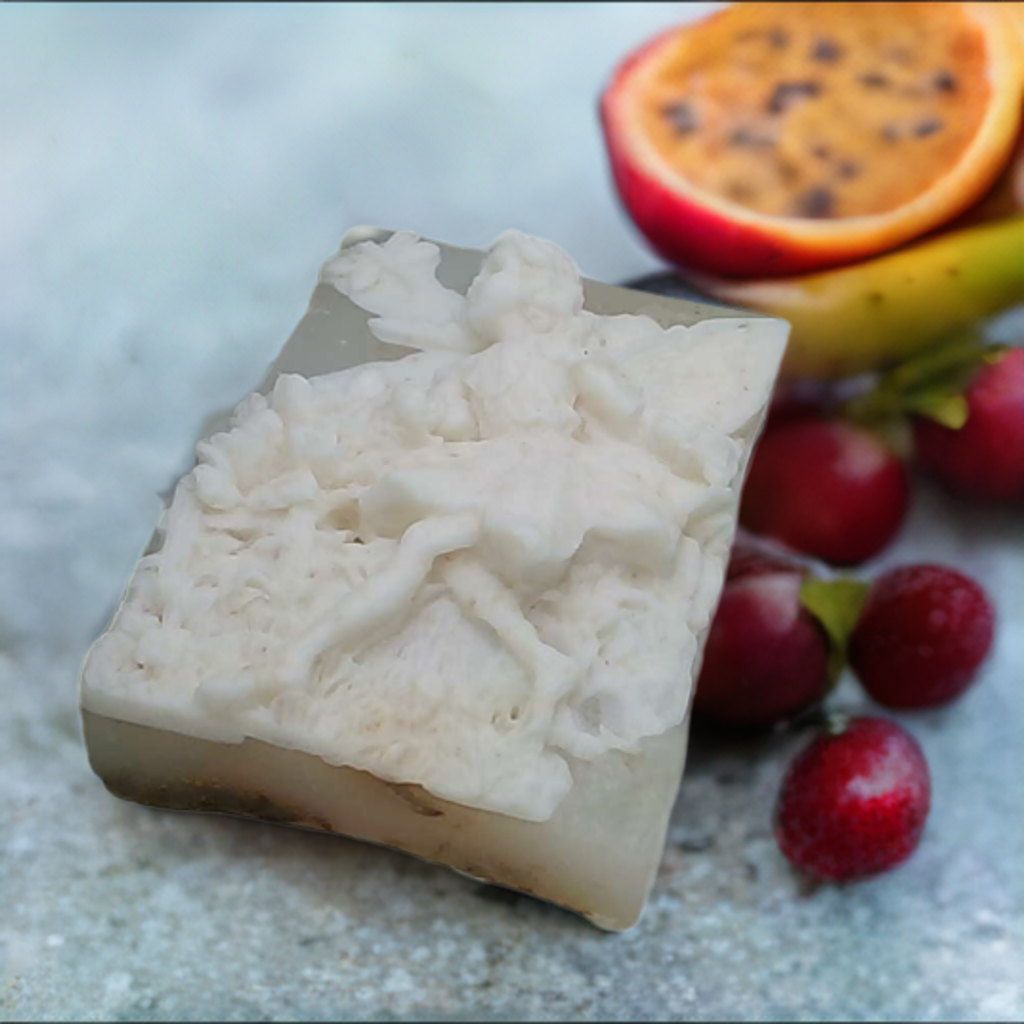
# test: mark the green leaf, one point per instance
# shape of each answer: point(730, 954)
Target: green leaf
point(931, 384)
point(837, 605)
point(949, 410)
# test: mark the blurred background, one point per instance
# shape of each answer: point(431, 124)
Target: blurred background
point(171, 178)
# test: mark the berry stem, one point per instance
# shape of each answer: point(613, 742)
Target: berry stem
point(836, 604)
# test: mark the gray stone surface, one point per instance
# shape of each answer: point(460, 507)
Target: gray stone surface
point(170, 179)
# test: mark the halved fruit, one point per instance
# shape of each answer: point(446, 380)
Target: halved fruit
point(775, 139)
point(1006, 197)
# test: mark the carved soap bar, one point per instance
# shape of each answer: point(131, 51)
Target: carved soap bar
point(443, 582)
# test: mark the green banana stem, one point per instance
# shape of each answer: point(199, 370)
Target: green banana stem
point(871, 315)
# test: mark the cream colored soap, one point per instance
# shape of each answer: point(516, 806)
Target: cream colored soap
point(444, 581)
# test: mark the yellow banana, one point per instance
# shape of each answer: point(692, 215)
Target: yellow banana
point(870, 315)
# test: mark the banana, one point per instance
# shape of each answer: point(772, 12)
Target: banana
point(870, 315)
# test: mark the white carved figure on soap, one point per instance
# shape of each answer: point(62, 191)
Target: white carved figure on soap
point(464, 567)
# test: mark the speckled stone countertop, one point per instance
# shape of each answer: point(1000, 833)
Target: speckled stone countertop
point(170, 180)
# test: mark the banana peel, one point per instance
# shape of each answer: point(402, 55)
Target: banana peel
point(868, 316)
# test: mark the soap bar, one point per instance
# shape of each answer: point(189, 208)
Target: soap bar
point(442, 583)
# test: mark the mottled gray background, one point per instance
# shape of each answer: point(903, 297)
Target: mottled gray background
point(170, 180)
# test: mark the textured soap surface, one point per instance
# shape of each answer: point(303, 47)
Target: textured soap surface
point(469, 568)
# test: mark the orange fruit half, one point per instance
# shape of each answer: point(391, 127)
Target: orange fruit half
point(776, 139)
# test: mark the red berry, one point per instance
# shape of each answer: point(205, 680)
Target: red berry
point(826, 488)
point(747, 559)
point(984, 459)
point(854, 803)
point(921, 637)
point(788, 407)
point(766, 658)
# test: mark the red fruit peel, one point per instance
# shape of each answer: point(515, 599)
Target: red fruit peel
point(983, 459)
point(854, 803)
point(826, 488)
point(766, 658)
point(922, 636)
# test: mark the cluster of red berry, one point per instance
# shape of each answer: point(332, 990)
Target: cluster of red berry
point(854, 802)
